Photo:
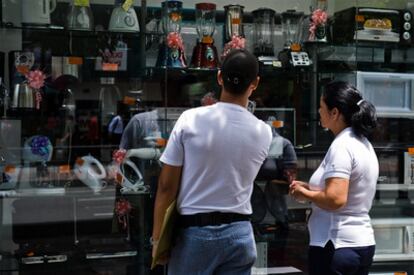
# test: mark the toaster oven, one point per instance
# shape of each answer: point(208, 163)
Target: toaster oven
point(372, 24)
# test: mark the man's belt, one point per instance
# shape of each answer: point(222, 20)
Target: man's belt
point(211, 218)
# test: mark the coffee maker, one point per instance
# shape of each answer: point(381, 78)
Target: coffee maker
point(292, 54)
point(205, 53)
point(171, 50)
point(263, 22)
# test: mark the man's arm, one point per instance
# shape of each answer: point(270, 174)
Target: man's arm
point(168, 185)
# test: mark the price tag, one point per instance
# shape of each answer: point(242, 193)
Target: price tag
point(64, 169)
point(411, 150)
point(110, 67)
point(129, 100)
point(73, 60)
point(82, 3)
point(127, 4)
point(277, 123)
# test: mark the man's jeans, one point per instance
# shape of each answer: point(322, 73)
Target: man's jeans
point(224, 249)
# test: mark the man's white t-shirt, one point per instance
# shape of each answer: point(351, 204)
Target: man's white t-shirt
point(352, 158)
point(221, 148)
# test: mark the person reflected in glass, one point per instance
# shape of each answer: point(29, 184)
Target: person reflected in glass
point(342, 189)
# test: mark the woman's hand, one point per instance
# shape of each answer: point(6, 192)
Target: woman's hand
point(297, 190)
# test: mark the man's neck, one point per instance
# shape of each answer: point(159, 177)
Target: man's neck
point(234, 99)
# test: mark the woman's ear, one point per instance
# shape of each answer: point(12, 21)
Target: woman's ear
point(335, 113)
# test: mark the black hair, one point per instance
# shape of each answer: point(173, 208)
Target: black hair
point(239, 69)
point(358, 113)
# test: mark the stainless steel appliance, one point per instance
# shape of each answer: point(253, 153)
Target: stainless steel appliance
point(372, 24)
point(37, 12)
point(23, 96)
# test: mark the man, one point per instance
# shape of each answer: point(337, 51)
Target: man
point(211, 159)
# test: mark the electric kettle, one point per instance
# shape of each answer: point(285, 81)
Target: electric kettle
point(23, 96)
point(80, 16)
point(37, 12)
point(123, 18)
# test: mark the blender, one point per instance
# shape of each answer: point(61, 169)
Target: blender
point(205, 53)
point(80, 16)
point(318, 21)
point(171, 50)
point(233, 28)
point(292, 53)
point(263, 22)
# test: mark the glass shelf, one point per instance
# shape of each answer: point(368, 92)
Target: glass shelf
point(59, 30)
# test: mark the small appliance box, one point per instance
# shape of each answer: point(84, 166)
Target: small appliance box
point(372, 24)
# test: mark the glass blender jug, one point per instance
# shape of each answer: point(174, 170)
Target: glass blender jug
point(205, 53)
point(292, 24)
point(80, 16)
point(171, 50)
point(318, 20)
point(263, 20)
point(234, 21)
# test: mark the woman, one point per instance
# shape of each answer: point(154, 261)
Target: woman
point(341, 190)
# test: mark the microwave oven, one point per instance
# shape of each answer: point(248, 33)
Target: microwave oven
point(391, 93)
point(372, 24)
point(394, 239)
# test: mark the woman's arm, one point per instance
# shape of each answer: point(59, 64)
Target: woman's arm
point(333, 197)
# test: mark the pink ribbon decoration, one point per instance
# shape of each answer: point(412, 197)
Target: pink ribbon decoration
point(36, 79)
point(236, 42)
point(122, 209)
point(175, 41)
point(119, 155)
point(319, 17)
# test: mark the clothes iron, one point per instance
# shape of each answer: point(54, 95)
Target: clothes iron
point(123, 18)
point(85, 171)
point(132, 179)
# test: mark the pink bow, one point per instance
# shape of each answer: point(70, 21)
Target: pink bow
point(119, 155)
point(175, 41)
point(319, 17)
point(122, 209)
point(236, 42)
point(36, 79)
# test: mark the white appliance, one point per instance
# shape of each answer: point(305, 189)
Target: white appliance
point(132, 180)
point(37, 12)
point(123, 18)
point(91, 172)
point(394, 239)
point(391, 93)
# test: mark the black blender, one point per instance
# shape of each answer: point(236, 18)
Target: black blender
point(263, 21)
point(292, 54)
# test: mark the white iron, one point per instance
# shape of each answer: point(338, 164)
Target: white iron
point(86, 173)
